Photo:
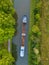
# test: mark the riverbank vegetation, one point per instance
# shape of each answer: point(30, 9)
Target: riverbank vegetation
point(7, 30)
point(34, 33)
point(39, 33)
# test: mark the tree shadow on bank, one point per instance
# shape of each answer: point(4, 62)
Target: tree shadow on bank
point(14, 52)
point(16, 23)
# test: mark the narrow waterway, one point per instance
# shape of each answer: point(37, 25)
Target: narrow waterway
point(22, 7)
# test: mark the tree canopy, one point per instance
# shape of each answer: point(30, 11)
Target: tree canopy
point(7, 23)
point(5, 57)
point(7, 6)
point(7, 30)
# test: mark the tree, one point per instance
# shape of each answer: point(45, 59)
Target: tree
point(7, 30)
point(6, 58)
point(7, 6)
point(1, 35)
point(7, 23)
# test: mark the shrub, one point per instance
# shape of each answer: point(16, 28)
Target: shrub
point(39, 5)
point(36, 11)
point(36, 51)
point(36, 30)
point(38, 8)
point(34, 39)
point(37, 17)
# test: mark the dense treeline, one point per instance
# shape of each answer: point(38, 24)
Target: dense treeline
point(7, 30)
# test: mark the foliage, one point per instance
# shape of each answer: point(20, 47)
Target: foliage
point(34, 39)
point(7, 6)
point(39, 5)
point(35, 33)
point(7, 23)
point(1, 35)
point(37, 16)
point(36, 30)
point(5, 57)
point(7, 30)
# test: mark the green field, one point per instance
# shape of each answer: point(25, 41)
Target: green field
point(44, 25)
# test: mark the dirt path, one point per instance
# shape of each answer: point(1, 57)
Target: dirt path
point(44, 36)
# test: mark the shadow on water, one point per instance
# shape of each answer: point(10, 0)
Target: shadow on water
point(14, 52)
